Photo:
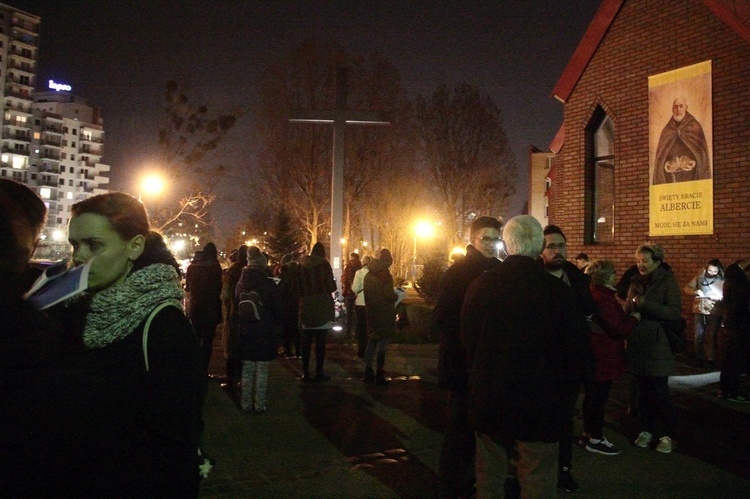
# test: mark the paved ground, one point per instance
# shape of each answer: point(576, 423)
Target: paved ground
point(343, 439)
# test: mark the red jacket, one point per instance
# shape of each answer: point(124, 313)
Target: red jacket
point(609, 345)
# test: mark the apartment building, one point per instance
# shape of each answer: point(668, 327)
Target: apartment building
point(19, 42)
point(65, 160)
point(52, 140)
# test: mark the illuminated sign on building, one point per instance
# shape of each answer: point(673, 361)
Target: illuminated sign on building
point(59, 86)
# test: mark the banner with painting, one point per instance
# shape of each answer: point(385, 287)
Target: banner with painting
point(680, 131)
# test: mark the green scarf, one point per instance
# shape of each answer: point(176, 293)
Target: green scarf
point(115, 312)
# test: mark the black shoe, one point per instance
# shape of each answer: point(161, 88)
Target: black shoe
point(512, 488)
point(380, 379)
point(369, 376)
point(320, 378)
point(565, 480)
point(306, 378)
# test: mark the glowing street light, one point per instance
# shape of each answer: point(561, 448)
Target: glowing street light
point(152, 185)
point(422, 229)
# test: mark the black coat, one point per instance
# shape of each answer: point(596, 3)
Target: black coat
point(133, 432)
point(203, 284)
point(446, 316)
point(526, 338)
point(258, 339)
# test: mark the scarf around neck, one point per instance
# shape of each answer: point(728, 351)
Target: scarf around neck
point(115, 312)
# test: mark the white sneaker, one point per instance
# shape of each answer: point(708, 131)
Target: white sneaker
point(644, 438)
point(664, 446)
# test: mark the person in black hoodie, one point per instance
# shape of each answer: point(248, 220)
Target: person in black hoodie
point(456, 469)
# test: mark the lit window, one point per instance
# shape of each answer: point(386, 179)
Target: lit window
point(69, 195)
point(600, 180)
point(45, 193)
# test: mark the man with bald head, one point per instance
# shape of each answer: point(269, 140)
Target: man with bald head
point(682, 152)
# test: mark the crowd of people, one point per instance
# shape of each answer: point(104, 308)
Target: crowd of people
point(522, 339)
point(124, 361)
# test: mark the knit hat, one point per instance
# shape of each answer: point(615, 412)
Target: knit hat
point(255, 258)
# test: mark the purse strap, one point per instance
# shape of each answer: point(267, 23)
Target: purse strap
point(148, 325)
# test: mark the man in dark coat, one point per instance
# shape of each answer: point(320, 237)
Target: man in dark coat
point(203, 284)
point(456, 469)
point(315, 285)
point(525, 338)
point(554, 259)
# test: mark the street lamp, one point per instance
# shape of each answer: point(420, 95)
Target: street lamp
point(422, 229)
point(152, 185)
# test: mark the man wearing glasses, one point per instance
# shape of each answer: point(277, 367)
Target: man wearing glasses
point(456, 469)
point(554, 259)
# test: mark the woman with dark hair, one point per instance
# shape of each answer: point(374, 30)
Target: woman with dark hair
point(139, 387)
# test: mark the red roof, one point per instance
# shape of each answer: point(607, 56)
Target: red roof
point(735, 13)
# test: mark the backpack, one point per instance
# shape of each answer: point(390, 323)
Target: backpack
point(250, 306)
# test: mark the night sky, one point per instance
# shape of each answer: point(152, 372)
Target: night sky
point(118, 55)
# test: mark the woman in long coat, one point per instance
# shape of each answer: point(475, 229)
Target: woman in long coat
point(657, 298)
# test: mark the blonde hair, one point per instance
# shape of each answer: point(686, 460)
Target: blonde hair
point(600, 270)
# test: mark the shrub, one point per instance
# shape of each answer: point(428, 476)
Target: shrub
point(428, 283)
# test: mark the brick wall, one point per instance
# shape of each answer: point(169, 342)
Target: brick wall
point(649, 37)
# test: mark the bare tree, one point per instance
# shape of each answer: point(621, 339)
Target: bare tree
point(466, 153)
point(189, 134)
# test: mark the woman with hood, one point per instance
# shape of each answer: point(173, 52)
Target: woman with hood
point(257, 336)
point(315, 285)
point(380, 301)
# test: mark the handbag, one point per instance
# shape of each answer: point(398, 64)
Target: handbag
point(675, 332)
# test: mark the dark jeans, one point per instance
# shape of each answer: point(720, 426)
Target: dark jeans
point(594, 400)
point(456, 468)
point(308, 335)
point(376, 348)
point(349, 304)
point(206, 332)
point(707, 336)
point(361, 312)
point(290, 333)
point(565, 458)
point(655, 405)
point(734, 362)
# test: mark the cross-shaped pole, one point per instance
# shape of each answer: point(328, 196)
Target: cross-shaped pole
point(339, 117)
